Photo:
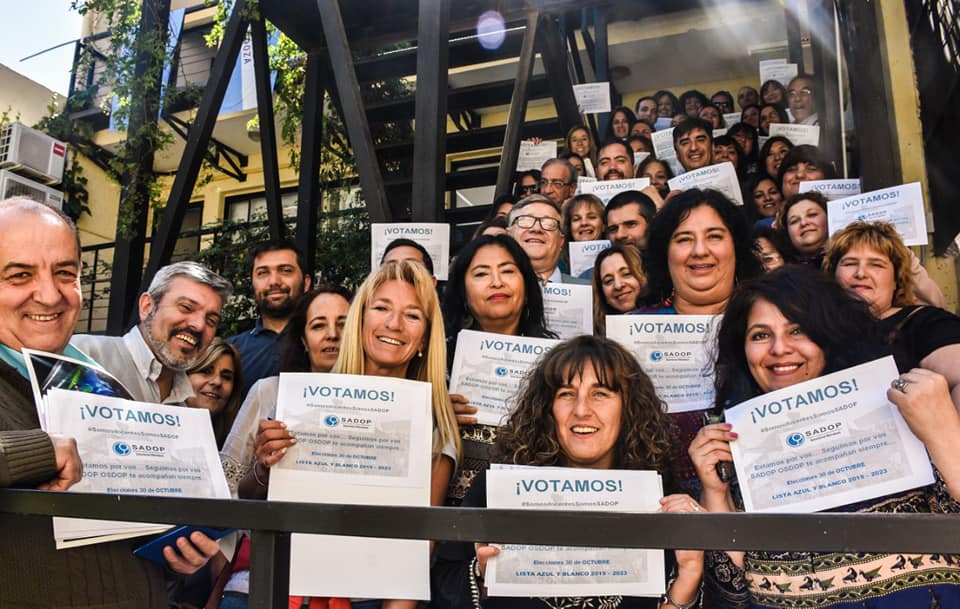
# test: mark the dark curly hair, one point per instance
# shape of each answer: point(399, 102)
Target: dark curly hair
point(529, 437)
point(659, 280)
point(839, 323)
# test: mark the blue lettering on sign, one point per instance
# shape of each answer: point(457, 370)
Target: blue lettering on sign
point(348, 393)
point(799, 400)
point(128, 415)
point(672, 327)
point(508, 346)
point(569, 486)
point(873, 198)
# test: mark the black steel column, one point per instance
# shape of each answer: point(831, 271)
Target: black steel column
point(794, 48)
point(354, 116)
point(601, 65)
point(131, 234)
point(823, 31)
point(872, 105)
point(309, 191)
point(164, 239)
point(430, 137)
point(518, 107)
point(268, 133)
point(269, 569)
point(554, 56)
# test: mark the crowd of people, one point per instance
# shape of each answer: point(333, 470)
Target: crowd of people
point(794, 302)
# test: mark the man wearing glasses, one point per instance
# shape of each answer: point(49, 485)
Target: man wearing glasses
point(803, 105)
point(558, 180)
point(535, 224)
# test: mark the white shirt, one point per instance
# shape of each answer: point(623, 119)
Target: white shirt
point(131, 360)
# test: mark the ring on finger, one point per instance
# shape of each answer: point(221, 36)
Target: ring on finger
point(900, 385)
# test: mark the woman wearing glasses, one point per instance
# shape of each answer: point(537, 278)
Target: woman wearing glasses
point(527, 183)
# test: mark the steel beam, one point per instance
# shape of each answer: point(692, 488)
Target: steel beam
point(165, 238)
point(269, 569)
point(131, 233)
point(354, 118)
point(310, 191)
point(268, 133)
point(430, 137)
point(602, 66)
point(553, 53)
point(823, 30)
point(518, 106)
point(870, 97)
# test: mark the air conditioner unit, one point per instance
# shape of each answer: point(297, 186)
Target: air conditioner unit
point(32, 152)
point(13, 185)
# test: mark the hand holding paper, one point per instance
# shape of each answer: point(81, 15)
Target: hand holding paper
point(69, 465)
point(272, 441)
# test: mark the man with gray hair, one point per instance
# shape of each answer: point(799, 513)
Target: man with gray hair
point(179, 314)
point(536, 224)
point(558, 180)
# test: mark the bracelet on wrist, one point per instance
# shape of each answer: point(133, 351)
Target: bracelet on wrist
point(667, 599)
point(256, 476)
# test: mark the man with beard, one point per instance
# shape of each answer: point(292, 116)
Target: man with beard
point(279, 280)
point(614, 161)
point(179, 314)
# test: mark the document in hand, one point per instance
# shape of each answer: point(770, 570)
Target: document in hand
point(827, 442)
point(528, 570)
point(362, 440)
point(434, 237)
point(133, 448)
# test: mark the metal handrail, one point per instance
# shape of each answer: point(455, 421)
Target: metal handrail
point(272, 522)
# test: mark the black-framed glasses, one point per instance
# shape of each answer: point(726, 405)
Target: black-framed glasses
point(529, 189)
point(548, 224)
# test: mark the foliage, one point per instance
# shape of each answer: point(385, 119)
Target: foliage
point(337, 232)
point(75, 196)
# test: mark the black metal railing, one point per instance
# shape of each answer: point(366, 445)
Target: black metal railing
point(271, 523)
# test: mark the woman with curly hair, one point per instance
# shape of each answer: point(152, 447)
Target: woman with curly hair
point(587, 404)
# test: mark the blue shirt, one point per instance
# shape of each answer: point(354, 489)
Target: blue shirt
point(259, 355)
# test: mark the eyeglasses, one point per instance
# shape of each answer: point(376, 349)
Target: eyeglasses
point(552, 184)
point(529, 189)
point(547, 224)
point(805, 92)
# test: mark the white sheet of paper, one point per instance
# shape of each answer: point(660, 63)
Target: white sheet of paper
point(781, 72)
point(592, 97)
point(487, 370)
point(533, 156)
point(527, 570)
point(568, 308)
point(134, 448)
point(722, 177)
point(798, 134)
point(434, 237)
point(827, 442)
point(676, 353)
point(901, 206)
point(639, 157)
point(608, 189)
point(360, 440)
point(715, 133)
point(731, 118)
point(584, 253)
point(663, 144)
point(832, 189)
point(581, 180)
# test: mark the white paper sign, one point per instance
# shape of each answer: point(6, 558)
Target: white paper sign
point(487, 370)
point(715, 133)
point(676, 352)
point(592, 97)
point(527, 570)
point(568, 308)
point(827, 442)
point(584, 253)
point(581, 180)
point(134, 448)
point(434, 237)
point(608, 189)
point(901, 206)
point(362, 440)
point(639, 157)
point(798, 134)
point(663, 148)
point(533, 156)
point(781, 72)
point(832, 189)
point(731, 118)
point(722, 177)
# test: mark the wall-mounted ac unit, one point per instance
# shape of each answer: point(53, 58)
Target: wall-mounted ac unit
point(13, 185)
point(32, 153)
